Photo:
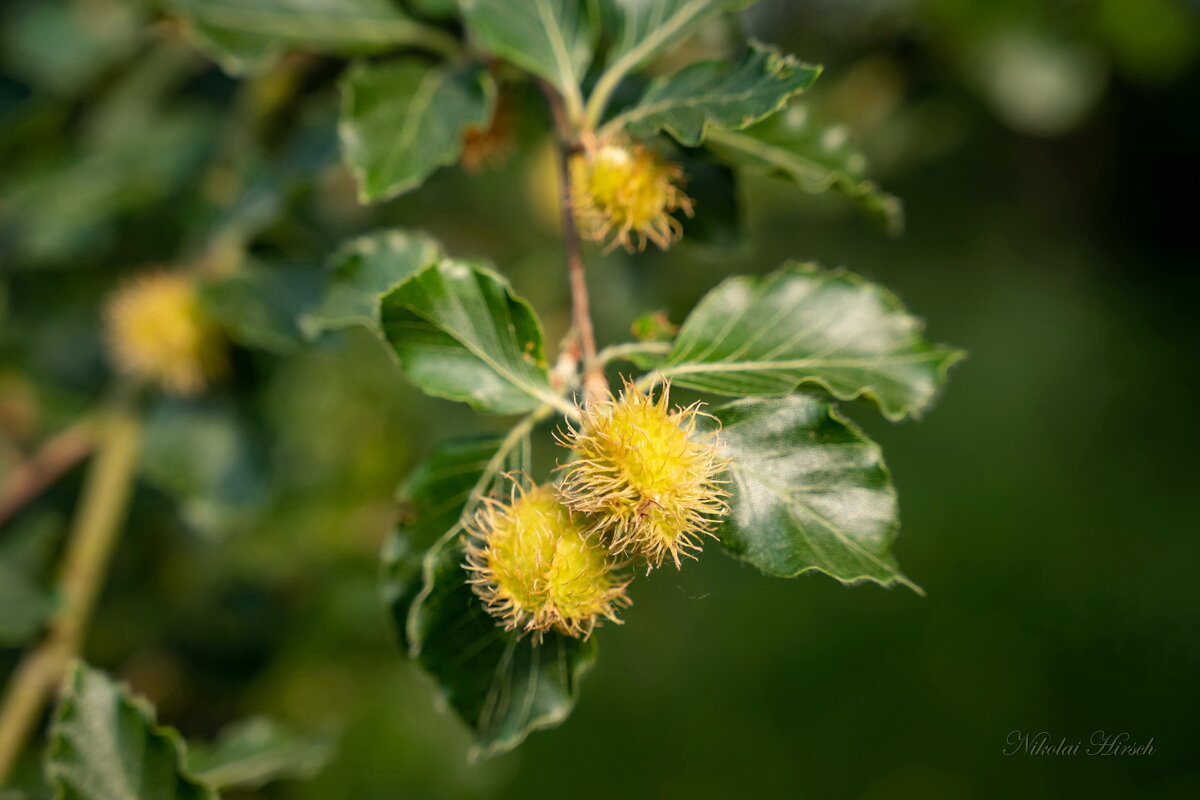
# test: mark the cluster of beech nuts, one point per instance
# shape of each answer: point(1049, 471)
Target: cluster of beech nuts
point(642, 487)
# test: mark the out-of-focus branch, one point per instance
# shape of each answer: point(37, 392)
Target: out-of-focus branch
point(89, 548)
point(37, 473)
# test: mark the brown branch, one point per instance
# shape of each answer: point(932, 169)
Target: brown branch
point(594, 383)
point(34, 475)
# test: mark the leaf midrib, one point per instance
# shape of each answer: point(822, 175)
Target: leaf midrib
point(838, 533)
point(819, 176)
point(774, 366)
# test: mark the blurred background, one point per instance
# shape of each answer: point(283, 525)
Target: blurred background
point(1045, 152)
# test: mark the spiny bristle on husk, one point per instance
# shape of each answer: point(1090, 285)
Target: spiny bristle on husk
point(157, 330)
point(628, 193)
point(536, 568)
point(651, 485)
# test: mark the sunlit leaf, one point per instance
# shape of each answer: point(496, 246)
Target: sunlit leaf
point(461, 333)
point(808, 492)
point(804, 326)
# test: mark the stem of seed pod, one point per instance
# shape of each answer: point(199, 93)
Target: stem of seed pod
point(594, 383)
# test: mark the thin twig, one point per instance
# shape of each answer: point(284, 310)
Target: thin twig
point(37, 473)
point(85, 563)
point(594, 383)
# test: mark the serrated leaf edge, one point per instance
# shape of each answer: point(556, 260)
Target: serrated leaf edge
point(946, 356)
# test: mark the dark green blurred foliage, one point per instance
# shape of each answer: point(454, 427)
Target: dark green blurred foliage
point(1043, 151)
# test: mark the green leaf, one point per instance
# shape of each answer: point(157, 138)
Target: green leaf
point(502, 685)
point(27, 605)
point(401, 120)
point(808, 491)
point(257, 751)
point(55, 49)
point(433, 502)
point(717, 94)
point(794, 146)
point(646, 28)
point(363, 271)
point(245, 35)
point(26, 600)
point(203, 455)
point(553, 39)
point(105, 745)
point(499, 683)
point(461, 333)
point(802, 325)
point(73, 210)
point(434, 9)
point(257, 306)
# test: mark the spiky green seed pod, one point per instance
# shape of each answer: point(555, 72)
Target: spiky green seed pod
point(650, 485)
point(627, 195)
point(536, 569)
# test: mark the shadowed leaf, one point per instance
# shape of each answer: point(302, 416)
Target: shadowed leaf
point(820, 158)
point(363, 271)
point(257, 751)
point(499, 683)
point(245, 35)
point(401, 120)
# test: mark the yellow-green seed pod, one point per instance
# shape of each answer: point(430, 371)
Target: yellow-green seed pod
point(650, 485)
point(158, 331)
point(628, 194)
point(536, 569)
